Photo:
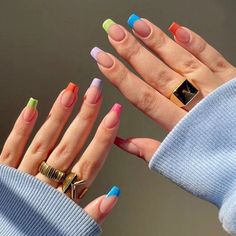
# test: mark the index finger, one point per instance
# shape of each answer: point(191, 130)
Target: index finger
point(139, 93)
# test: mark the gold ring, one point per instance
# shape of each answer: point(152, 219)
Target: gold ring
point(74, 187)
point(51, 172)
point(184, 93)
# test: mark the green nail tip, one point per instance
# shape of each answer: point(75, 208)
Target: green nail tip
point(32, 103)
point(107, 23)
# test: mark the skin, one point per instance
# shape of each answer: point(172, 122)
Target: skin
point(162, 63)
point(62, 156)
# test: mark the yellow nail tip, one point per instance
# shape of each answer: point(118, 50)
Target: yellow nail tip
point(32, 103)
point(107, 23)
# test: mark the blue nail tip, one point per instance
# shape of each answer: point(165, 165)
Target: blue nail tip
point(114, 192)
point(132, 20)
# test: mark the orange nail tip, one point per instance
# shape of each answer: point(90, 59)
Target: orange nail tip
point(173, 27)
point(72, 87)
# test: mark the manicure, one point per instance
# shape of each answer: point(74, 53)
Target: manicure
point(94, 92)
point(181, 34)
point(30, 110)
point(113, 117)
point(110, 200)
point(102, 57)
point(69, 95)
point(115, 31)
point(139, 26)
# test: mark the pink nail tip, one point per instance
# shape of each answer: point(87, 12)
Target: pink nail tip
point(94, 52)
point(117, 108)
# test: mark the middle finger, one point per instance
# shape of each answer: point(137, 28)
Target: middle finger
point(76, 135)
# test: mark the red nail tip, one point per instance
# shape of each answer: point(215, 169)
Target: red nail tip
point(72, 87)
point(173, 27)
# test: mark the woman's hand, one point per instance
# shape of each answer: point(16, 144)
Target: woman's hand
point(163, 67)
point(61, 156)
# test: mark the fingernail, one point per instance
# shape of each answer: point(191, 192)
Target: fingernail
point(127, 146)
point(115, 31)
point(110, 200)
point(113, 117)
point(30, 110)
point(139, 26)
point(102, 57)
point(94, 91)
point(180, 33)
point(69, 95)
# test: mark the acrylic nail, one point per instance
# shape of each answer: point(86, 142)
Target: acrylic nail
point(93, 93)
point(102, 57)
point(69, 95)
point(113, 117)
point(181, 34)
point(30, 110)
point(115, 31)
point(110, 200)
point(139, 26)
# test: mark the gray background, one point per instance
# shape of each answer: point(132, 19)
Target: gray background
point(46, 44)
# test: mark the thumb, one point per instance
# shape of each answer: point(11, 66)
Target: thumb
point(140, 147)
point(101, 207)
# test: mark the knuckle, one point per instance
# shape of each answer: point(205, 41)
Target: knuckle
point(6, 157)
point(163, 80)
point(190, 64)
point(89, 168)
point(38, 148)
point(87, 114)
point(132, 51)
point(146, 101)
point(119, 75)
point(200, 46)
point(157, 40)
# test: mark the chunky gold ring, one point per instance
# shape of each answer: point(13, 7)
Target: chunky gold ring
point(51, 172)
point(184, 93)
point(74, 187)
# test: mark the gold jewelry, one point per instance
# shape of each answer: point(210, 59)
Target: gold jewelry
point(76, 185)
point(184, 93)
point(51, 172)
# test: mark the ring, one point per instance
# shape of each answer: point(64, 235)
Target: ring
point(51, 172)
point(184, 93)
point(76, 186)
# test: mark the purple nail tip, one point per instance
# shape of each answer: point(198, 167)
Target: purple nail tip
point(97, 83)
point(94, 52)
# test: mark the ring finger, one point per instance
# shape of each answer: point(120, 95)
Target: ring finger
point(96, 153)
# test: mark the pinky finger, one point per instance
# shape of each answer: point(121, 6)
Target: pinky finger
point(100, 208)
point(15, 144)
point(196, 45)
point(141, 147)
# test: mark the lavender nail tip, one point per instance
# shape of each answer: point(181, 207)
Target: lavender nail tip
point(97, 83)
point(94, 52)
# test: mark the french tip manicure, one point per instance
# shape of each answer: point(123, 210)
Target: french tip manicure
point(114, 192)
point(32, 103)
point(117, 107)
point(107, 24)
point(97, 83)
point(71, 87)
point(173, 27)
point(94, 52)
point(132, 19)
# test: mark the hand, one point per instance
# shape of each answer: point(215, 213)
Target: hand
point(163, 67)
point(61, 156)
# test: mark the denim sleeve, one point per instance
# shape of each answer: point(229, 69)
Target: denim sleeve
point(31, 207)
point(199, 154)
